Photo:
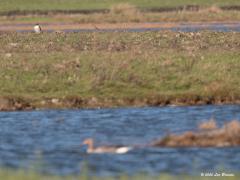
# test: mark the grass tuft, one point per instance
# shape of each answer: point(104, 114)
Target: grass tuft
point(126, 12)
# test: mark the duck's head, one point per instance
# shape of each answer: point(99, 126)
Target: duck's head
point(88, 141)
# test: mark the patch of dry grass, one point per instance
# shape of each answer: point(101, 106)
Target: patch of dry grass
point(208, 136)
point(131, 14)
point(212, 9)
point(209, 125)
point(126, 12)
point(124, 9)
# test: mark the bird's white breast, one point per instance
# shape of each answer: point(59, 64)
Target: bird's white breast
point(37, 29)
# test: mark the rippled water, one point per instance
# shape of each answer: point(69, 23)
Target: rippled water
point(50, 140)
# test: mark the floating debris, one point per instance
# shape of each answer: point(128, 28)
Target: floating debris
point(207, 136)
point(209, 125)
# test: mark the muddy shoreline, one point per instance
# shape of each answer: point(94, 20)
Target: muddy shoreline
point(93, 11)
point(20, 103)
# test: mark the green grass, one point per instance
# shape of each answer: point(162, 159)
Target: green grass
point(7, 5)
point(22, 175)
point(143, 66)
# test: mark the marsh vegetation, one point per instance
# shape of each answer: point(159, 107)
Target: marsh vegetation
point(120, 68)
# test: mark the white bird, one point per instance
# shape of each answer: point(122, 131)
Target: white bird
point(37, 29)
point(105, 149)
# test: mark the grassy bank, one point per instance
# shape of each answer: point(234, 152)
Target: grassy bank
point(106, 69)
point(9, 5)
point(129, 15)
point(21, 175)
point(117, 12)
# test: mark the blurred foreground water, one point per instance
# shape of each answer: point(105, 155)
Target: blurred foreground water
point(49, 140)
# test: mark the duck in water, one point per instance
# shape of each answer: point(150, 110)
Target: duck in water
point(105, 149)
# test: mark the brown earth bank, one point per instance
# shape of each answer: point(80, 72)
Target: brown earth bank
point(92, 11)
point(12, 103)
point(208, 135)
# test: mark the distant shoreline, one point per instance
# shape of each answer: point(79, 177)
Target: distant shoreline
point(192, 8)
point(12, 103)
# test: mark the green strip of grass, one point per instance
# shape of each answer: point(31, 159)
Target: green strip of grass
point(120, 65)
point(8, 5)
point(22, 175)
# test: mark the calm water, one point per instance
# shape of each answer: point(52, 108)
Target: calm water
point(183, 27)
point(49, 140)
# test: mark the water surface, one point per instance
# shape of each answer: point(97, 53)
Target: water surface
point(161, 26)
point(49, 140)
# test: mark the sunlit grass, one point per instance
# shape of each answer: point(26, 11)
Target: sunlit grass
point(7, 5)
point(148, 66)
point(24, 175)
